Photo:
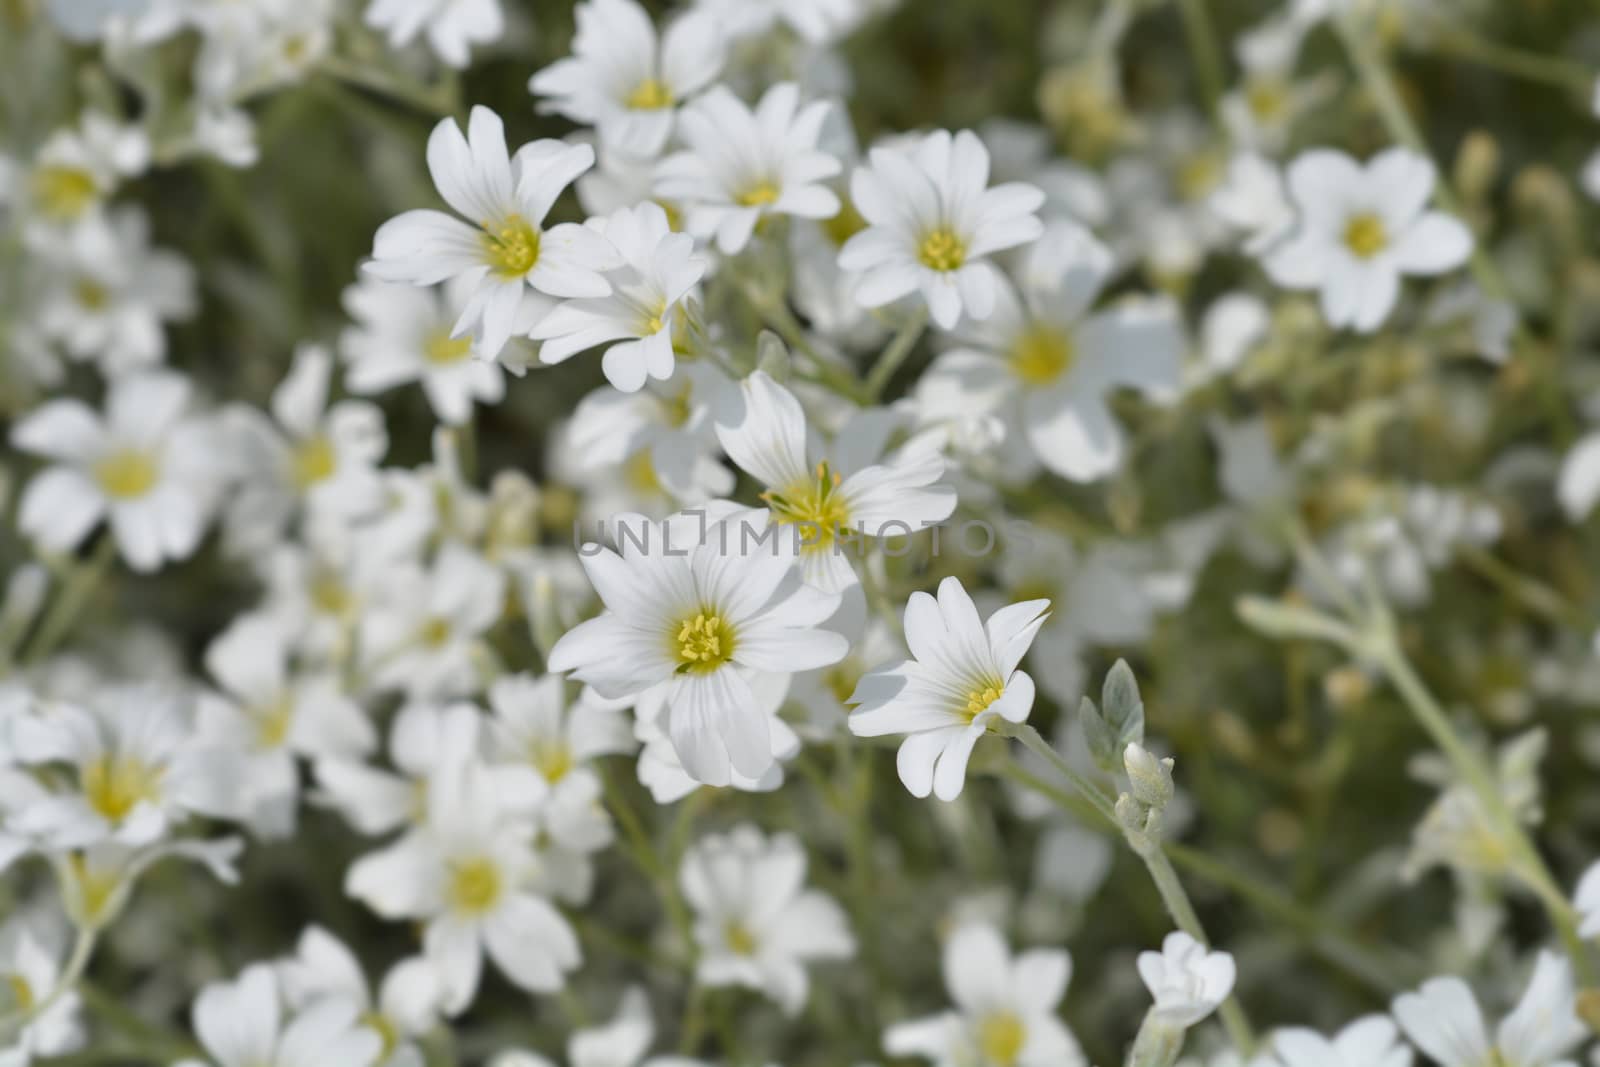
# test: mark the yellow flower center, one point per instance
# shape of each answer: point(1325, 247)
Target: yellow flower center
point(813, 504)
point(380, 1025)
point(328, 595)
point(511, 246)
point(842, 678)
point(313, 462)
point(1268, 98)
point(652, 94)
point(942, 250)
point(92, 296)
point(63, 193)
point(1364, 235)
point(760, 194)
point(114, 785)
point(1198, 175)
point(703, 642)
point(552, 758)
point(127, 474)
point(19, 995)
point(677, 408)
point(674, 215)
point(1042, 354)
point(845, 225)
point(740, 939)
point(474, 886)
point(441, 350)
point(273, 722)
point(640, 473)
point(435, 632)
point(1000, 1039)
point(978, 700)
point(653, 318)
point(93, 890)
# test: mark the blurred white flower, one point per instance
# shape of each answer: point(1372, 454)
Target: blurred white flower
point(1359, 228)
point(422, 634)
point(244, 1023)
point(403, 334)
point(1186, 980)
point(755, 924)
point(1006, 1007)
point(451, 27)
point(933, 221)
point(622, 1042)
point(625, 80)
point(743, 166)
point(961, 679)
point(1370, 1041)
point(1443, 1020)
point(145, 466)
point(406, 1007)
point(30, 971)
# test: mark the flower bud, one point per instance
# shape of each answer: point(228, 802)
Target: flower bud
point(1151, 778)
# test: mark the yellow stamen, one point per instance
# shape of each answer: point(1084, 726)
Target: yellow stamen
point(942, 250)
point(20, 995)
point(553, 758)
point(739, 938)
point(845, 225)
point(813, 504)
point(63, 193)
point(1364, 235)
point(91, 294)
point(978, 700)
point(1042, 355)
point(703, 643)
point(1000, 1039)
point(441, 350)
point(474, 886)
point(314, 461)
point(511, 245)
point(760, 194)
point(651, 94)
point(273, 722)
point(127, 474)
point(435, 632)
point(114, 785)
point(640, 473)
point(1267, 98)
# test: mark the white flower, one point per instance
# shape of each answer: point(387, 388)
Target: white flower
point(662, 772)
point(451, 27)
point(962, 677)
point(1578, 485)
point(933, 223)
point(1186, 980)
point(754, 922)
point(242, 1024)
point(742, 166)
point(403, 334)
point(1370, 1041)
point(465, 875)
point(144, 466)
point(135, 765)
point(1252, 199)
point(1049, 364)
point(113, 292)
point(622, 1042)
point(422, 739)
point(422, 636)
point(272, 717)
point(1444, 1021)
point(30, 970)
point(659, 443)
point(1359, 229)
point(76, 171)
point(1586, 899)
point(830, 505)
point(702, 606)
point(406, 1006)
point(625, 81)
point(1005, 1013)
point(636, 320)
point(506, 249)
point(321, 455)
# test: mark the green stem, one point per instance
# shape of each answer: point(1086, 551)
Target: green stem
point(1149, 849)
point(69, 604)
point(893, 356)
point(1202, 39)
point(432, 100)
point(1451, 39)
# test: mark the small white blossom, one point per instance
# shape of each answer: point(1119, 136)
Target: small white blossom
point(1443, 1020)
point(1186, 980)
